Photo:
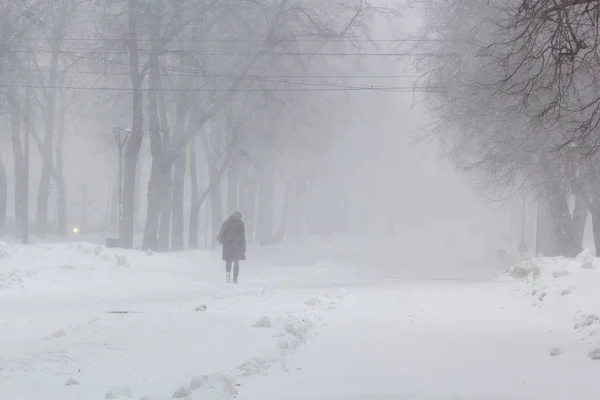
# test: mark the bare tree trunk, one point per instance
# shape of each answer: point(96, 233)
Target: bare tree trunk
point(153, 212)
point(139, 191)
point(248, 206)
point(595, 211)
point(285, 213)
point(215, 178)
point(19, 162)
point(164, 236)
point(61, 197)
point(59, 19)
point(179, 169)
point(298, 216)
point(83, 221)
point(564, 233)
point(580, 216)
point(166, 197)
point(194, 224)
point(126, 228)
point(265, 219)
point(3, 197)
point(44, 185)
point(207, 224)
point(158, 218)
point(157, 177)
point(591, 197)
point(177, 241)
point(557, 196)
point(61, 187)
point(216, 206)
point(113, 206)
point(201, 199)
point(232, 187)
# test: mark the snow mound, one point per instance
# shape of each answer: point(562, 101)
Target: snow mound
point(594, 354)
point(57, 265)
point(118, 260)
point(312, 302)
point(586, 260)
point(555, 352)
point(264, 322)
point(58, 334)
point(563, 289)
point(15, 279)
point(560, 273)
point(182, 393)
point(586, 321)
point(217, 386)
point(7, 251)
point(523, 270)
point(72, 382)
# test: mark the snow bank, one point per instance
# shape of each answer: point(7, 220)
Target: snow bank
point(563, 290)
point(23, 266)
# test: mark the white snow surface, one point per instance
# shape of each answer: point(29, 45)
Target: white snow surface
point(531, 337)
point(79, 321)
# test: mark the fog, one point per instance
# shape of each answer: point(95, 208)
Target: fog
point(331, 135)
point(299, 199)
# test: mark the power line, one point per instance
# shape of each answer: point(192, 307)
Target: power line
point(201, 74)
point(275, 79)
point(252, 54)
point(347, 40)
point(126, 65)
point(331, 89)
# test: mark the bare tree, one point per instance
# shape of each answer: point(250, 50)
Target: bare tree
point(278, 22)
point(499, 113)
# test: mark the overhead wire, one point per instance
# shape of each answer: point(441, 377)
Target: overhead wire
point(88, 54)
point(324, 89)
point(233, 53)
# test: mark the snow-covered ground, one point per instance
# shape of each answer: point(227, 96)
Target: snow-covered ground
point(512, 338)
point(78, 321)
point(565, 292)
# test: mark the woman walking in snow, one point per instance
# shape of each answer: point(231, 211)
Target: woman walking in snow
point(233, 238)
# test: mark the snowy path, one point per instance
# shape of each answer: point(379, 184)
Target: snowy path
point(436, 340)
point(315, 330)
point(76, 324)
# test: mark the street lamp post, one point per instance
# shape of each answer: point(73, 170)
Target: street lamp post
point(121, 137)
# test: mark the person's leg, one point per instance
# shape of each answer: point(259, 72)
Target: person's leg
point(236, 270)
point(228, 270)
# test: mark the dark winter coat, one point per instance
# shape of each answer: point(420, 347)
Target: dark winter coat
point(233, 238)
